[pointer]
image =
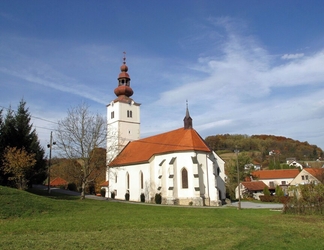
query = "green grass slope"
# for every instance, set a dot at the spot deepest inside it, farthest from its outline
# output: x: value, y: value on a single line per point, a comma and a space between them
x: 29, y: 221
x: 19, y: 203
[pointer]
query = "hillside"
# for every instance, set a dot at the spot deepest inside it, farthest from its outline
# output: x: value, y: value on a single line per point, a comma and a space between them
x: 22, y: 204
x: 260, y: 146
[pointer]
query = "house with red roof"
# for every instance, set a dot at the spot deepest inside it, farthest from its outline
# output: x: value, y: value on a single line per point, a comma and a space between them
x: 176, y: 164
x: 59, y: 182
x: 309, y: 175
x: 254, y: 186
x: 273, y: 178
x: 251, y: 189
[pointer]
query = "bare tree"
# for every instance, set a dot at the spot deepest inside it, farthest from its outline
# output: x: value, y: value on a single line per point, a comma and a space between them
x: 115, y: 143
x: 78, y: 137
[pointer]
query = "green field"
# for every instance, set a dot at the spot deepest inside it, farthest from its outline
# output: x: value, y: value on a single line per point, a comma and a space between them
x: 30, y: 221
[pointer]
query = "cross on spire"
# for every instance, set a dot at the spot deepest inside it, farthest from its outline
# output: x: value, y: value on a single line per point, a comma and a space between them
x: 124, y: 58
x: 187, y: 120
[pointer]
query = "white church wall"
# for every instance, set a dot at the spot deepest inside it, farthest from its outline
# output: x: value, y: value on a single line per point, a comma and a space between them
x: 163, y: 175
x: 121, y: 184
x: 219, y: 170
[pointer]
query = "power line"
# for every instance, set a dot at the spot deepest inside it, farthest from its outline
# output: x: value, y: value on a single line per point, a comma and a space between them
x: 35, y: 117
x: 56, y: 130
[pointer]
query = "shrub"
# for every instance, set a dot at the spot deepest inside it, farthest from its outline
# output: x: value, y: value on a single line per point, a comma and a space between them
x: 142, y: 197
x: 266, y: 191
x: 283, y: 199
x: 306, y: 199
x: 127, y: 196
x: 112, y: 195
x: 72, y: 187
x: 103, y: 192
x: 267, y: 198
x: 158, y: 198
x: 279, y: 191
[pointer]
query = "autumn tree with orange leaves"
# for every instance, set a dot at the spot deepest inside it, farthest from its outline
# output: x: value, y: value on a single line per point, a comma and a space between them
x: 16, y: 163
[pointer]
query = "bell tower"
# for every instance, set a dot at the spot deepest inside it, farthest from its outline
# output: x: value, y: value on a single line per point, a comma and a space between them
x: 123, y: 115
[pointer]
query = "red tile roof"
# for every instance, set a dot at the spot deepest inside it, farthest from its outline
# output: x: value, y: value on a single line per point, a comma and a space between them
x: 316, y: 172
x: 173, y: 141
x: 254, y: 185
x: 58, y: 182
x: 104, y: 184
x: 275, y: 174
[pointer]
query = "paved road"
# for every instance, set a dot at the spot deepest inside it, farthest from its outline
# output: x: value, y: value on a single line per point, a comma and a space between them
x: 68, y: 192
x: 254, y: 205
x: 244, y: 204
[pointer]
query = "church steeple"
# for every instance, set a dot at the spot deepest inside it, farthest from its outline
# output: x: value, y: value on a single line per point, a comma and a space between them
x: 123, y: 91
x: 123, y: 115
x: 187, y: 120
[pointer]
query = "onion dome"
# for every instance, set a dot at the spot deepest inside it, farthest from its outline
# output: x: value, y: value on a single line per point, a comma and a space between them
x: 123, y: 89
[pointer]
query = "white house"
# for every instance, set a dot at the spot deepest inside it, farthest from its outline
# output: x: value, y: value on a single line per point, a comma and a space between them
x: 277, y: 177
x: 176, y: 164
x: 309, y: 175
x: 295, y: 164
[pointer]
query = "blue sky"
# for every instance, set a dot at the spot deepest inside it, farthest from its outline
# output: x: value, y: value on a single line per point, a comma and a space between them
x: 245, y: 67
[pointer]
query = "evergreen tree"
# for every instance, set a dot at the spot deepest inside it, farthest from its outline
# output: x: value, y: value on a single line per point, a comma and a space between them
x: 1, y: 149
x: 279, y: 191
x: 6, y: 139
x: 266, y: 191
x: 17, y: 131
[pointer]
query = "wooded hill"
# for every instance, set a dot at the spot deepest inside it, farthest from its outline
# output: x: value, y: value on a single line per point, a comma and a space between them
x: 261, y: 145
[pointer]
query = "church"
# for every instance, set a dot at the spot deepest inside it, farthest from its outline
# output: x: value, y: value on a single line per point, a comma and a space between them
x: 176, y: 165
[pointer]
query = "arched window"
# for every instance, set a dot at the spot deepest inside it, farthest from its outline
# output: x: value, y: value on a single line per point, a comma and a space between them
x: 184, y: 178
x: 142, y: 180
x: 116, y: 178
x: 127, y: 180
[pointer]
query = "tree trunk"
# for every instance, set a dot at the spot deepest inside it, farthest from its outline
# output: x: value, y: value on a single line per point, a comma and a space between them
x: 83, y: 190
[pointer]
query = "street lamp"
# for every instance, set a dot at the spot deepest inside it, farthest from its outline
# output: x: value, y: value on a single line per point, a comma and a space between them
x: 238, y: 178
x: 49, y: 163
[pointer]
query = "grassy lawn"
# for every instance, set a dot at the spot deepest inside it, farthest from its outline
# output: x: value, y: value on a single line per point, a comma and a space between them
x: 33, y: 221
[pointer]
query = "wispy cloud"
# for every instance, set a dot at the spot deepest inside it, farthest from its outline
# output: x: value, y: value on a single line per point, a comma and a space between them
x: 245, y: 90
x: 292, y: 56
x: 44, y: 70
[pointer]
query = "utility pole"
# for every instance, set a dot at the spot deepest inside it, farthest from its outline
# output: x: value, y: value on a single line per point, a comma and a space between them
x: 49, y: 163
x: 238, y: 179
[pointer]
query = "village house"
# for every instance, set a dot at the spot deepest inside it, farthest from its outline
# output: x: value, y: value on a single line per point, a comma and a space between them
x: 252, y: 189
x: 277, y: 177
x: 309, y: 175
x: 59, y: 182
x: 273, y: 178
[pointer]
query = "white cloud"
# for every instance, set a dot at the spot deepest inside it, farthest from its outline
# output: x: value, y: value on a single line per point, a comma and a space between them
x: 238, y: 88
x: 243, y: 86
x: 292, y: 56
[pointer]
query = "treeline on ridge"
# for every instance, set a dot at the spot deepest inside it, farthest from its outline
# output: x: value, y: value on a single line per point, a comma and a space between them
x: 281, y: 146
